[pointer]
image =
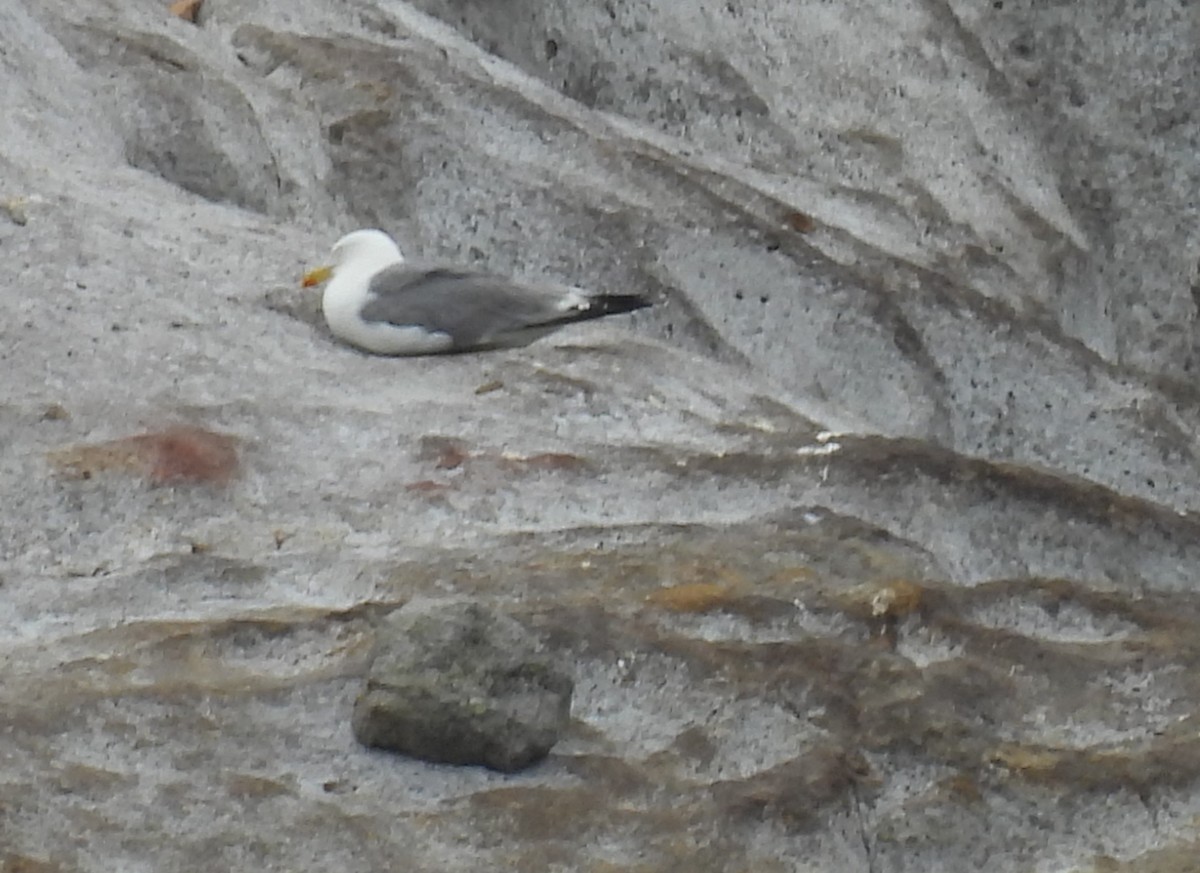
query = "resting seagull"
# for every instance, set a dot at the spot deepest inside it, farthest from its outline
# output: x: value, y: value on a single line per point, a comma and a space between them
x: 379, y: 303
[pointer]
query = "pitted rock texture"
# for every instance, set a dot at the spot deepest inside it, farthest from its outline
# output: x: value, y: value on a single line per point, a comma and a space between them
x: 873, y: 546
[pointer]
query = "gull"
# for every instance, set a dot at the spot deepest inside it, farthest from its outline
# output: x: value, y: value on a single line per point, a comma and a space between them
x: 376, y: 301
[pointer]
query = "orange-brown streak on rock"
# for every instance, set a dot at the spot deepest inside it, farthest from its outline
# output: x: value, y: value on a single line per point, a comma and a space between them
x: 1170, y: 760
x: 81, y: 681
x: 693, y: 597
x: 178, y: 454
x: 427, y: 486
x: 1179, y: 858
x: 881, y: 607
x: 489, y: 386
x: 188, y: 10
x: 789, y: 577
x: 1174, y: 614
x: 27, y: 864
x: 550, y: 461
x: 85, y: 461
x: 247, y: 786
x: 962, y: 787
x: 181, y: 658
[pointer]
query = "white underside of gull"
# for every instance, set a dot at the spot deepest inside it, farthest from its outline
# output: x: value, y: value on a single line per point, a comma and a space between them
x: 342, y: 303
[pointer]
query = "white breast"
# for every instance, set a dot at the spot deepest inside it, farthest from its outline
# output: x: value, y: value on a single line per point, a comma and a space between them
x: 344, y: 298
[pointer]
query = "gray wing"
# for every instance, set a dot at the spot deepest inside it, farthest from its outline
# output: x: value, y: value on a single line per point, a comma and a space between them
x: 473, y: 308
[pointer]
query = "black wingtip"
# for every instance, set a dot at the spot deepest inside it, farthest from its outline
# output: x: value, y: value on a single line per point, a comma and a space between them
x: 615, y: 304
x: 599, y: 306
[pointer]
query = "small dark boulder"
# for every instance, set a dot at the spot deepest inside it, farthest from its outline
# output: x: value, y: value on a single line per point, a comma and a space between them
x: 457, y: 683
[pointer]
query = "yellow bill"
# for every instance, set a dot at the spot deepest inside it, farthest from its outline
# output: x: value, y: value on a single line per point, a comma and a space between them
x: 316, y: 276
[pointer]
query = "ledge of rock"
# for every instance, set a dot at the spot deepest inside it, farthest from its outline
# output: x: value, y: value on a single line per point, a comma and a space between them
x: 871, y: 547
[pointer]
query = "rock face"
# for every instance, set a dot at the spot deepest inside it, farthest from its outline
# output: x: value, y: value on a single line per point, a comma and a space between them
x: 460, y: 684
x: 873, y: 546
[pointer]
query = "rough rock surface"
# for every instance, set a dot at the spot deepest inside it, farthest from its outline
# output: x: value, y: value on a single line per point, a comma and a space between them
x: 461, y: 684
x: 874, y: 546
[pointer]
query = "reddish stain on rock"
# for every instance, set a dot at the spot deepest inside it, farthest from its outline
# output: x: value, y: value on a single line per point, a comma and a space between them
x: 426, y: 486
x: 189, y: 454
x: 175, y: 455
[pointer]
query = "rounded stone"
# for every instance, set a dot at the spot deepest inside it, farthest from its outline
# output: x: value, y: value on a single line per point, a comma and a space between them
x: 458, y: 683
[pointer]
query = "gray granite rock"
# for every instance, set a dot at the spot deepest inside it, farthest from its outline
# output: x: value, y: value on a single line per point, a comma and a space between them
x: 461, y: 684
x: 872, y: 547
